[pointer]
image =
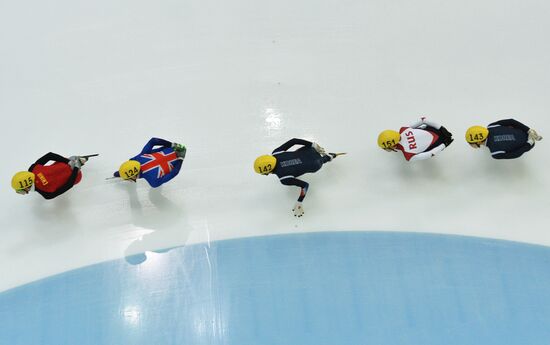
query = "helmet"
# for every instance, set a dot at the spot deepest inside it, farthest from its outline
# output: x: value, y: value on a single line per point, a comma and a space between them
x: 388, y: 139
x: 129, y: 169
x: 265, y: 164
x: 476, y: 134
x: 22, y: 180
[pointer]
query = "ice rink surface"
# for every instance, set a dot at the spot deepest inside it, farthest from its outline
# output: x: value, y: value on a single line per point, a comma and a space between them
x: 233, y: 80
x: 306, y: 288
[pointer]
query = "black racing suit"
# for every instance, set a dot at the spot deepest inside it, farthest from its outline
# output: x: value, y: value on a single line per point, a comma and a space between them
x: 508, y: 139
x: 291, y: 164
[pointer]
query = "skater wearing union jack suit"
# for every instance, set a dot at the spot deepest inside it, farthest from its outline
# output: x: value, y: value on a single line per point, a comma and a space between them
x: 158, y: 162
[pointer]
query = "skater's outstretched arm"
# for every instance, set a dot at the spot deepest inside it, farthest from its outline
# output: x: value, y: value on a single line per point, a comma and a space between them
x: 148, y: 148
x: 50, y: 156
x: 510, y: 123
x: 291, y: 143
x: 428, y: 154
x: 512, y: 154
x: 423, y: 122
x: 292, y: 181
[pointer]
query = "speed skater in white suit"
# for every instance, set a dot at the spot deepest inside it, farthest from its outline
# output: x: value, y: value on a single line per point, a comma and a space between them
x: 421, y: 140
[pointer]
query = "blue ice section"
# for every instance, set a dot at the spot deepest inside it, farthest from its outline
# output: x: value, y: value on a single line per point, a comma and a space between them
x: 321, y: 288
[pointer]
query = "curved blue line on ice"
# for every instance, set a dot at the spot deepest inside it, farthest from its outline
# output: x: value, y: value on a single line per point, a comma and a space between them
x: 317, y: 288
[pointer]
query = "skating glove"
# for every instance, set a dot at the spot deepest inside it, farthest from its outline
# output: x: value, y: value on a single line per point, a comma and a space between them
x: 445, y: 132
x: 446, y: 136
x: 77, y: 161
x: 533, y: 136
x: 180, y: 150
x: 298, y: 209
x: 318, y: 148
x: 447, y: 141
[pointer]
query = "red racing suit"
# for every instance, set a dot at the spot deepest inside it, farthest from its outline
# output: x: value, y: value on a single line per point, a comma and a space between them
x: 54, y: 179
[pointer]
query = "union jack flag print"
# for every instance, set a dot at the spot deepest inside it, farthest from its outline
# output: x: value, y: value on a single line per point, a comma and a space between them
x: 158, y: 160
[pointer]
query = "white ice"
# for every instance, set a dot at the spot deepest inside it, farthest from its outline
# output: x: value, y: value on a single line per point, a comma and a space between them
x: 233, y: 80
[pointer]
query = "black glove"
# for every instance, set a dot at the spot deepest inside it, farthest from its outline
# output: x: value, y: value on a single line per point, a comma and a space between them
x: 447, y: 141
x: 444, y: 132
x: 446, y: 136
